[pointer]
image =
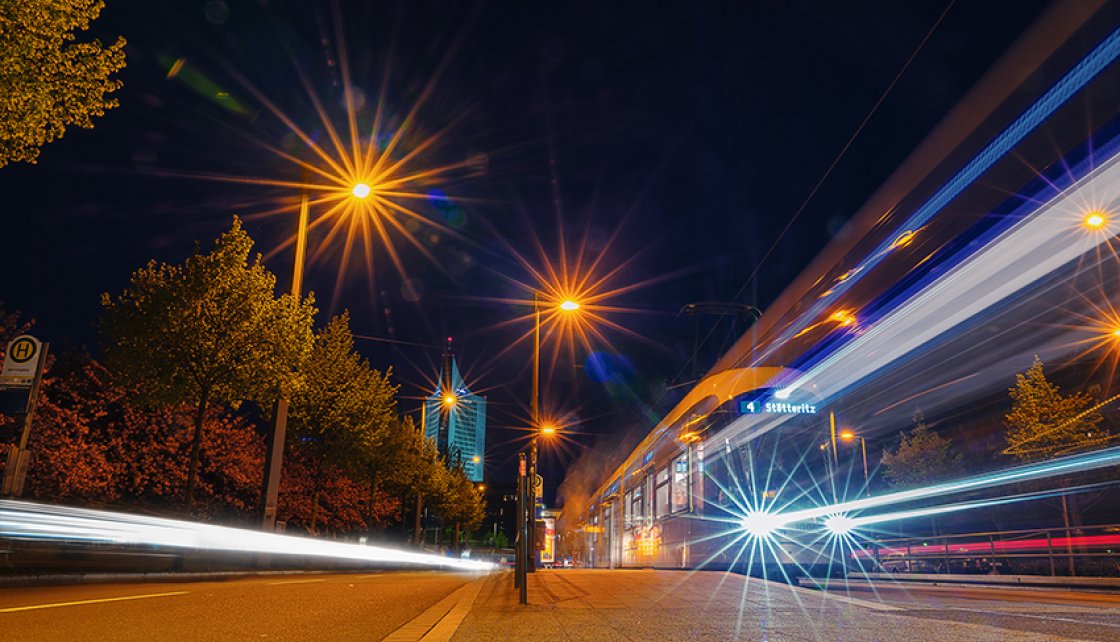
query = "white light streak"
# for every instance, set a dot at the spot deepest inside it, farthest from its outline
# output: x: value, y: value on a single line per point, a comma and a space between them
x: 1038, y: 245
x: 26, y: 520
x: 1031, y: 472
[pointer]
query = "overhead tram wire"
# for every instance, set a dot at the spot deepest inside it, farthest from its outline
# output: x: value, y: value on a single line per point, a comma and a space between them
x: 831, y: 167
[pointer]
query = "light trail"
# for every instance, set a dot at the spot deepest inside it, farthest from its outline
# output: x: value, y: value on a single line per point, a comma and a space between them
x: 1029, y: 472
x: 1022, y: 255
x: 27, y: 520
x: 1074, y: 81
x: 843, y: 523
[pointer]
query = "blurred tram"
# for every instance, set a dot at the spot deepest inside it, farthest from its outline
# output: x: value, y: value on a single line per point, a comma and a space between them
x: 928, y: 285
x: 731, y: 450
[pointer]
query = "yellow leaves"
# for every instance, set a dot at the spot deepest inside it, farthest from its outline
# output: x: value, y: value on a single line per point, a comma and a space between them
x: 1043, y: 423
x: 49, y: 81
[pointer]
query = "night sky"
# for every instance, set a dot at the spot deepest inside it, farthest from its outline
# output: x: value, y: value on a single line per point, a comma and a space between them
x: 675, y: 139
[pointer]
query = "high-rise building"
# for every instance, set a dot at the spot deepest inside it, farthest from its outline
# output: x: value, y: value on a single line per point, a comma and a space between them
x: 455, y: 419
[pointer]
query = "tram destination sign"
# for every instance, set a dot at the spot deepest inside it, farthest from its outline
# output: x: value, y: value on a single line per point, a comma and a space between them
x: 769, y: 406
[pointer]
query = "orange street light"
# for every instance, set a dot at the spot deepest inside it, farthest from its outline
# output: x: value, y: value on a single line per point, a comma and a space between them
x: 569, y: 305
x: 361, y: 190
x: 449, y: 400
x: 1094, y: 220
x: 548, y: 430
x: 847, y: 435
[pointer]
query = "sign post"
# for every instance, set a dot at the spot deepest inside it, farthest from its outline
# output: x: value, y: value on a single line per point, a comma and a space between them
x: 23, y: 369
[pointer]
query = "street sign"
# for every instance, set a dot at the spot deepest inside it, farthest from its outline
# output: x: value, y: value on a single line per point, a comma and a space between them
x: 21, y: 361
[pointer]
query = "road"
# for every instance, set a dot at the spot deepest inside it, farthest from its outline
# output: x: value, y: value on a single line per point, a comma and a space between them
x: 568, y: 605
x: 270, y: 608
x: 1075, y: 614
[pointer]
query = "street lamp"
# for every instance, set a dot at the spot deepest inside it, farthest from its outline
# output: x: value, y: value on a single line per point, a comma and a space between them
x: 274, y: 446
x: 565, y: 306
x: 1094, y: 220
x: 848, y: 435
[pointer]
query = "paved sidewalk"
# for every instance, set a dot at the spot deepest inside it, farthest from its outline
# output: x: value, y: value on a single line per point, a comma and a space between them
x: 604, y: 605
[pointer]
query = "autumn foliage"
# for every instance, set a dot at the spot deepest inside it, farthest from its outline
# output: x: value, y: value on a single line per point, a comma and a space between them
x: 174, y: 422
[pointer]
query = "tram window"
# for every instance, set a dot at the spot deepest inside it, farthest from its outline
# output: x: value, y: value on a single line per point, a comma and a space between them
x: 661, y: 495
x: 636, y: 511
x: 680, y: 487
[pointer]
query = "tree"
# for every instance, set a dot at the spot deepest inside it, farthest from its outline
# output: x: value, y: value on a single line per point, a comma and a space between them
x: 342, y: 409
x: 461, y: 503
x: 410, y: 467
x: 1043, y: 423
x: 48, y: 80
x: 922, y: 457
x: 209, y: 330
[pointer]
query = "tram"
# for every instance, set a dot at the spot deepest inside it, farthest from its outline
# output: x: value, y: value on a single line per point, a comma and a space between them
x: 687, y: 495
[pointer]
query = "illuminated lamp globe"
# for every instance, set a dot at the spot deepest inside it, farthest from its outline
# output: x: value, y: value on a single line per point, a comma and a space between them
x: 1094, y: 220
x: 449, y: 400
x: 361, y: 190
x: 847, y: 435
x: 548, y: 429
x: 569, y: 306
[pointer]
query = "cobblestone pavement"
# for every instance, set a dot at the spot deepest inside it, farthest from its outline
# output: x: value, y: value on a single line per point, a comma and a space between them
x: 605, y: 605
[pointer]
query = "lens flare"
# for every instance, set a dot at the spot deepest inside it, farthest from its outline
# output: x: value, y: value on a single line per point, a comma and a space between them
x: 839, y: 524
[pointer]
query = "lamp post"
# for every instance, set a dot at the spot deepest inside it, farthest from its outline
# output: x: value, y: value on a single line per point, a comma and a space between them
x: 565, y: 306
x: 274, y: 453
x: 848, y: 435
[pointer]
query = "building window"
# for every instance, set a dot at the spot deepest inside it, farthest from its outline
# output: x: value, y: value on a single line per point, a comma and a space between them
x: 628, y: 509
x: 661, y: 494
x: 680, y: 486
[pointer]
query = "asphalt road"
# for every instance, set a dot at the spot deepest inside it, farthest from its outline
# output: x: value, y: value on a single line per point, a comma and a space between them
x: 274, y: 607
x: 1072, y: 613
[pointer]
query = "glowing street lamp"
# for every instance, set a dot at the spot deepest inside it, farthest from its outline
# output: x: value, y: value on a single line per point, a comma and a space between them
x: 449, y: 400
x: 1094, y: 220
x: 274, y: 455
x: 361, y: 190
x: 569, y: 306
x: 847, y: 435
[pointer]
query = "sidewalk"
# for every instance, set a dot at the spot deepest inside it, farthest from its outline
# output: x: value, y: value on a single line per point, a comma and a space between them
x: 646, y: 605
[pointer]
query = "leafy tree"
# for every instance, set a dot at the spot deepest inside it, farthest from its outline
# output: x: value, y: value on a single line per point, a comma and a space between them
x: 343, y: 408
x: 410, y: 467
x: 922, y: 457
x: 48, y: 80
x: 1043, y: 423
x: 208, y: 330
x: 461, y: 503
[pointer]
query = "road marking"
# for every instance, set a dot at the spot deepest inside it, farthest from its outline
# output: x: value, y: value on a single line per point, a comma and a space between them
x: 296, y: 582
x: 854, y: 601
x: 440, y: 621
x: 55, y: 605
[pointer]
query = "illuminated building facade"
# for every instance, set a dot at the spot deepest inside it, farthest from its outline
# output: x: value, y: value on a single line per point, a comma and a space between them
x: 455, y: 419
